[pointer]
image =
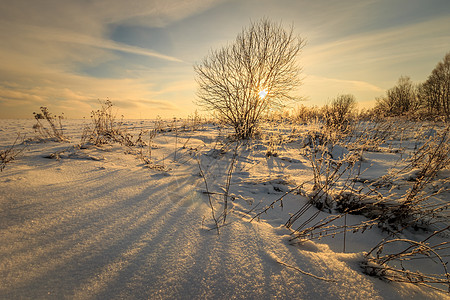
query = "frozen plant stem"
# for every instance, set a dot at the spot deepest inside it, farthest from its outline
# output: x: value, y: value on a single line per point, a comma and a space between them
x: 345, y: 230
x: 176, y: 139
x: 202, y: 174
x: 228, y: 182
x: 379, y: 265
x: 305, y: 273
x: 10, y: 153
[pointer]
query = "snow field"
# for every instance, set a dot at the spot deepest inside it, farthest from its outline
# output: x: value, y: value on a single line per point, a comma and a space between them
x: 100, y: 224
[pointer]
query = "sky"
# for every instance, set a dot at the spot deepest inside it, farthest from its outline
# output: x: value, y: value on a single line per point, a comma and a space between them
x: 67, y: 55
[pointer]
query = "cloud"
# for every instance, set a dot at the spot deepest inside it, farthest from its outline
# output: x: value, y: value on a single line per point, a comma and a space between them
x: 356, y: 85
x: 92, y: 16
x: 70, y: 37
x: 156, y: 13
x: 77, y: 96
x: 320, y: 90
x: 12, y: 98
x: 45, y: 45
x: 63, y: 33
x: 404, y: 45
x: 51, y: 49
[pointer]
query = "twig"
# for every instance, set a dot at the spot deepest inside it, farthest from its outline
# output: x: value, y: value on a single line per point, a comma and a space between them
x: 305, y: 273
x: 202, y: 174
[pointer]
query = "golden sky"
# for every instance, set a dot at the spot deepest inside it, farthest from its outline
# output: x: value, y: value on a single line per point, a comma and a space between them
x: 67, y: 54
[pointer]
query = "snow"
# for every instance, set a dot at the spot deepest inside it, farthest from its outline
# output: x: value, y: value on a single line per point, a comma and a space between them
x: 98, y: 223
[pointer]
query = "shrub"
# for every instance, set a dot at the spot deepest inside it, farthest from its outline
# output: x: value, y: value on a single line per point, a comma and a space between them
x: 399, y: 100
x: 340, y: 113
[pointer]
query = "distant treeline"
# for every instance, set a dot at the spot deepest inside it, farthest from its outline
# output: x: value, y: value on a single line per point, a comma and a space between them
x: 426, y: 100
x: 429, y: 100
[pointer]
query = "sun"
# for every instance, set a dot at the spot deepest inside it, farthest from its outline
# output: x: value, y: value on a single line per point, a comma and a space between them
x: 263, y: 94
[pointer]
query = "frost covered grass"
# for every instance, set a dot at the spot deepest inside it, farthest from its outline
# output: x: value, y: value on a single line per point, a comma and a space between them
x: 173, y: 212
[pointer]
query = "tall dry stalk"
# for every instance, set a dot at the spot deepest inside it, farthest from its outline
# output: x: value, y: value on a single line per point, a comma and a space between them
x: 55, y: 131
x: 11, y: 153
x: 384, y: 263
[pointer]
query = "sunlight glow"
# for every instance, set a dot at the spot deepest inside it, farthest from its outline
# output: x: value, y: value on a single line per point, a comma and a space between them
x: 262, y: 94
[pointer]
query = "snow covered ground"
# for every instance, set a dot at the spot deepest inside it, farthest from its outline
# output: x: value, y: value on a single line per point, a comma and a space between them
x: 99, y: 223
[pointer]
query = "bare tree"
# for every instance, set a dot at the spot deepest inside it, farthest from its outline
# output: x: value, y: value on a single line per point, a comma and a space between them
x: 436, y: 90
x: 255, y: 73
x: 399, y: 100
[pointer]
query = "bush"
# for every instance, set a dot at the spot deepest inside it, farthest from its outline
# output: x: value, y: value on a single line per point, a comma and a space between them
x: 340, y: 113
x: 400, y: 100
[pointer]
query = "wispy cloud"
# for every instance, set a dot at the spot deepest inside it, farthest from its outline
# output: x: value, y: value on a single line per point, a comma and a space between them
x: 77, y: 95
x: 93, y: 16
x: 357, y: 85
x: 319, y: 90
x: 411, y: 44
x: 44, y: 44
x: 71, y: 37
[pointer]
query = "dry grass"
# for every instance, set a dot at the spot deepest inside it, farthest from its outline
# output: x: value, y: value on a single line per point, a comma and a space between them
x: 398, y: 201
x: 388, y: 265
x: 53, y: 130
x: 11, y: 153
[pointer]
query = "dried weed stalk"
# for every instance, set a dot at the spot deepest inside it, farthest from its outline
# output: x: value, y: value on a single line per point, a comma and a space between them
x: 338, y: 189
x: 10, y: 153
x: 384, y: 262
x: 106, y: 129
x: 53, y: 131
x: 220, y: 215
